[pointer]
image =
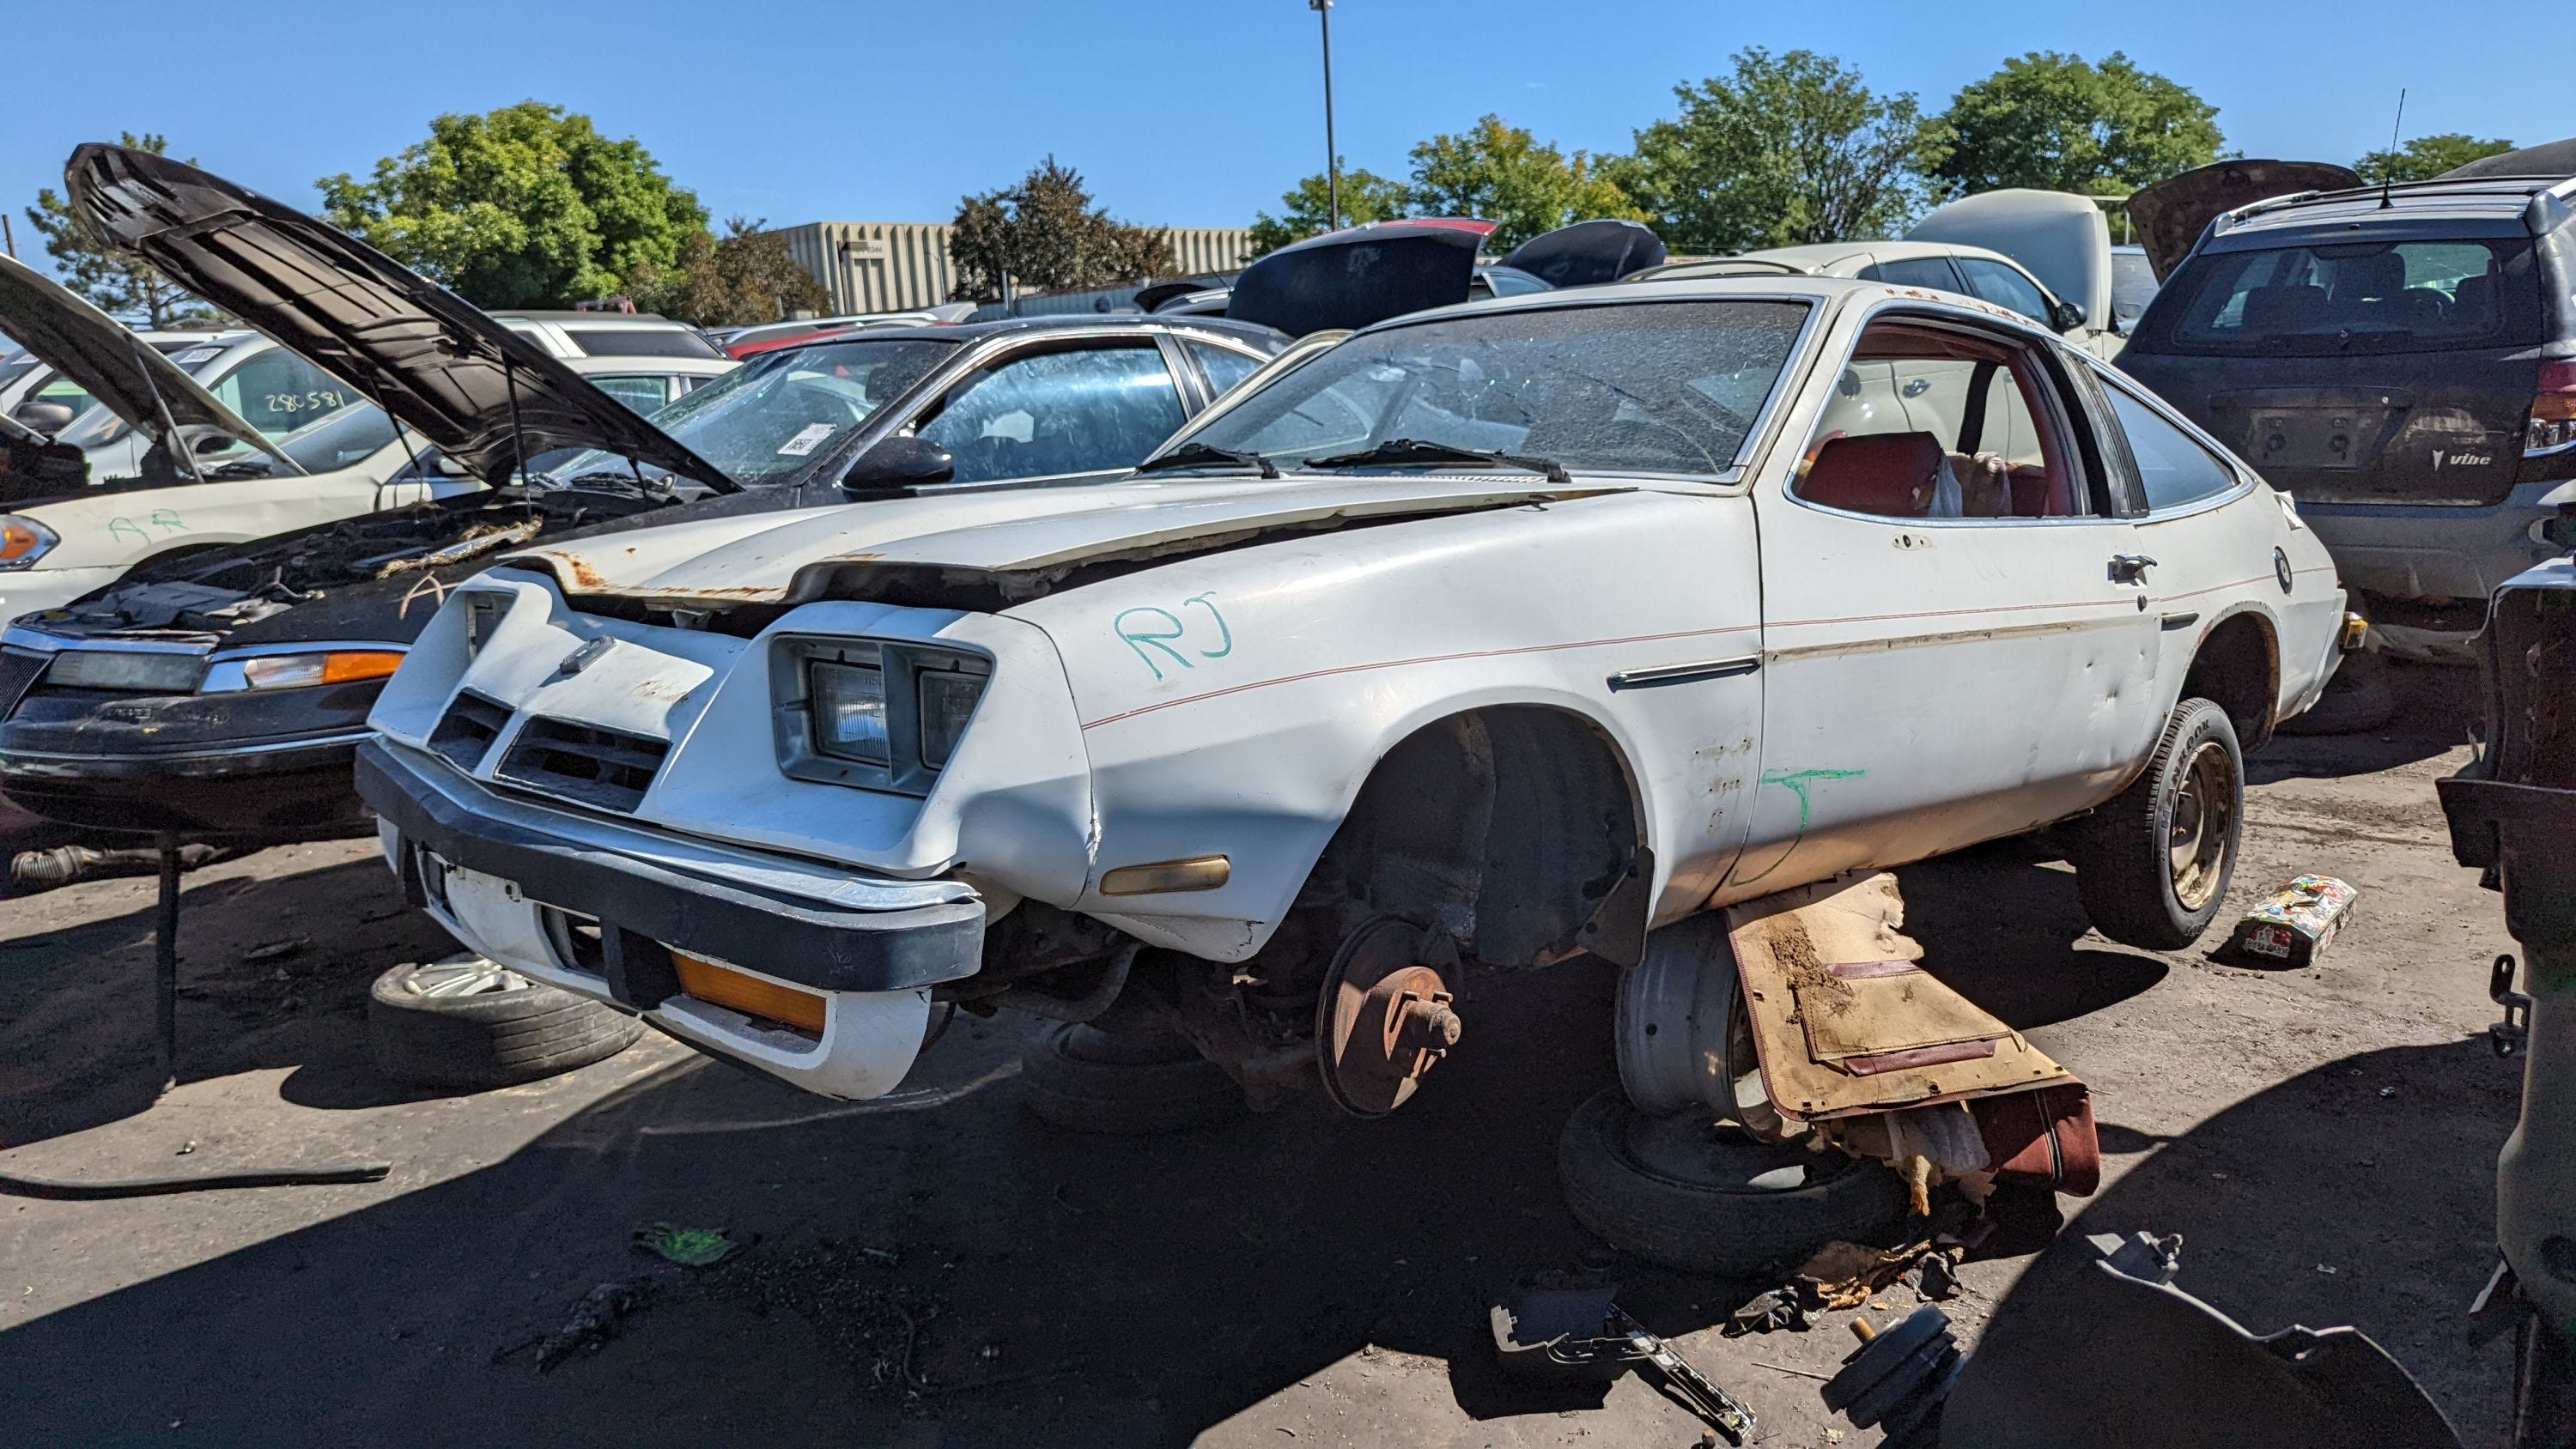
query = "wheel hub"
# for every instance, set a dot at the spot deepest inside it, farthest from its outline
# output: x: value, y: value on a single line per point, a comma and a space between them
x: 1383, y: 1020
x: 463, y: 976
x: 2202, y: 822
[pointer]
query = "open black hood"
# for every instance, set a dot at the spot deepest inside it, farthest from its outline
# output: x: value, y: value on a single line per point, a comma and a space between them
x: 1357, y: 276
x: 484, y: 395
x: 104, y: 357
x: 1588, y: 253
x: 2171, y: 214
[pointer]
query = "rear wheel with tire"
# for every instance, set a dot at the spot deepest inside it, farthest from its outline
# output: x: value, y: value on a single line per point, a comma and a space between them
x: 2152, y: 866
x: 467, y: 1022
x: 1127, y: 1084
x: 1681, y: 1192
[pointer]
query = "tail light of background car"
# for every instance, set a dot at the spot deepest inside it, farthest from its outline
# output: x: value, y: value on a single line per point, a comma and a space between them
x: 2553, y: 412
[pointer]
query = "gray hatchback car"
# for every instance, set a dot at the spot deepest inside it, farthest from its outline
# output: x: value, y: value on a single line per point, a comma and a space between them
x: 2403, y: 362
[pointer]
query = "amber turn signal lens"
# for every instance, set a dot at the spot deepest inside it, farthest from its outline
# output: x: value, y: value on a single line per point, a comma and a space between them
x: 749, y: 994
x: 289, y: 671
x: 1199, y: 873
x: 21, y: 539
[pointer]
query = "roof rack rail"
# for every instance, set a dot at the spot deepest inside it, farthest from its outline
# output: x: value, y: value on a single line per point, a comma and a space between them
x: 2550, y: 207
x: 2228, y: 219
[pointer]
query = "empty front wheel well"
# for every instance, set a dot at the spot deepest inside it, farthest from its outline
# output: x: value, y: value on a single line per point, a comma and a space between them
x: 2238, y: 668
x: 1515, y: 829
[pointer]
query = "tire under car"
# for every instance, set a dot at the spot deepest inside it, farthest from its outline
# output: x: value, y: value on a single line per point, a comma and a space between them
x: 2123, y: 852
x: 465, y: 1023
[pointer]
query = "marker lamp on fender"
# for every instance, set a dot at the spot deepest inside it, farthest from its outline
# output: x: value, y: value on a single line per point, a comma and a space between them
x: 23, y: 541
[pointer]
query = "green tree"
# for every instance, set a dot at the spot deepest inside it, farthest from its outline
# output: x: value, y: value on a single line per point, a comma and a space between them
x: 747, y: 278
x: 2426, y: 157
x: 1787, y: 150
x: 1044, y: 234
x: 1306, y: 208
x: 116, y: 284
x: 2058, y: 123
x: 1504, y: 175
x: 524, y: 206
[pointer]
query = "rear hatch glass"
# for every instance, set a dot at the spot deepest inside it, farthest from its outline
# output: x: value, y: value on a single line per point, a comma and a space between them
x: 2357, y: 371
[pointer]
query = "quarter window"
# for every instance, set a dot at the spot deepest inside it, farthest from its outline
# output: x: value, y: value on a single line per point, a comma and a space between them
x: 2172, y: 465
x: 2005, y: 287
x: 1223, y: 365
x: 1084, y: 411
x: 641, y: 392
x: 1913, y: 272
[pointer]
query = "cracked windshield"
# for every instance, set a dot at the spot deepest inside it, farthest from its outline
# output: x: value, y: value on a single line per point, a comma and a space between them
x: 1667, y: 388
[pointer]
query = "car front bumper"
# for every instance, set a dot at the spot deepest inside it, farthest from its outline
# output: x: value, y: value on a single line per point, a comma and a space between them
x: 277, y: 789
x: 514, y: 880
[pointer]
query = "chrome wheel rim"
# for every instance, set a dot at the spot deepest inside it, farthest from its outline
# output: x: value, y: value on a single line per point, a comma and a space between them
x: 2203, y: 823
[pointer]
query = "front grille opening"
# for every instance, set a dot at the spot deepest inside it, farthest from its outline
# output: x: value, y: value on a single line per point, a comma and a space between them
x: 576, y: 939
x: 583, y: 763
x: 466, y: 732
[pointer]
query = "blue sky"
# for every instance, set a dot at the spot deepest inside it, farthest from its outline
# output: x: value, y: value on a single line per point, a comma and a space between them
x: 1179, y: 114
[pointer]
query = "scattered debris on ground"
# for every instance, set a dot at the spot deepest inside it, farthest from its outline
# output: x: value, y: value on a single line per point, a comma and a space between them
x: 2291, y: 927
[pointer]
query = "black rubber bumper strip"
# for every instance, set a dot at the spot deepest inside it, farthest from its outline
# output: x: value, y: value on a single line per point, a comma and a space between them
x: 804, y: 942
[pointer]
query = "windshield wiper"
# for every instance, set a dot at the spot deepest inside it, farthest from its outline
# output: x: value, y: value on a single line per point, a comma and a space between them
x: 1412, y: 452
x: 1201, y: 455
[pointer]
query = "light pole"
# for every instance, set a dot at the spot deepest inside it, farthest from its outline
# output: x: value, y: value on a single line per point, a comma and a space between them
x: 1332, y: 158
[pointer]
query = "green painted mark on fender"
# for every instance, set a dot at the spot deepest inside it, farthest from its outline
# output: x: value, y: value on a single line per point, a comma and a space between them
x: 124, y: 527
x: 1163, y: 629
x: 1797, y: 782
x: 168, y: 522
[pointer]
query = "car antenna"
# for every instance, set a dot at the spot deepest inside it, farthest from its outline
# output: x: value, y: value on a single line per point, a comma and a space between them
x: 2388, y: 172
x: 170, y: 438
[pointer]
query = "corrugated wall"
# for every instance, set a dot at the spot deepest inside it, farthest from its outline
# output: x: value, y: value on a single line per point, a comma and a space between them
x: 888, y: 266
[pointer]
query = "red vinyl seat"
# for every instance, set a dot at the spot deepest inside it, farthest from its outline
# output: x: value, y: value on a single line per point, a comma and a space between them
x: 1890, y: 474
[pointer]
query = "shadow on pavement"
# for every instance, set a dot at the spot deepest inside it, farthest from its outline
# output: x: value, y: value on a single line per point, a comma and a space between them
x: 1129, y: 1291
x: 2291, y: 1212
x: 77, y: 1038
x: 2436, y: 706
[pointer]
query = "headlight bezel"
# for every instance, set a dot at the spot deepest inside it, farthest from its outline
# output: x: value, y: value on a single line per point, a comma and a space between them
x: 40, y: 541
x: 804, y: 752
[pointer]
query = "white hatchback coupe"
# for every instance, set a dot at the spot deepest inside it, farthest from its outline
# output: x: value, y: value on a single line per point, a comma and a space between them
x: 1490, y: 635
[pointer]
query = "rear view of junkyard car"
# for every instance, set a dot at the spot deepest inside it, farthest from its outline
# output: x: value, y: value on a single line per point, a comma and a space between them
x: 1449, y: 653
x: 2402, y: 361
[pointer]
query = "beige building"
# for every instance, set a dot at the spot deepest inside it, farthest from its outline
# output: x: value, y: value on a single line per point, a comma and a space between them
x: 890, y: 266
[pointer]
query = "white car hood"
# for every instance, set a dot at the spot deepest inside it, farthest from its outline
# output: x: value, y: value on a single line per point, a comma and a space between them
x: 1031, y: 534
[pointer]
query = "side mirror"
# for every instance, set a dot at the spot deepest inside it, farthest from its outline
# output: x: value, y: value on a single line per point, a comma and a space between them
x: 898, y: 462
x: 47, y: 418
x: 2065, y: 316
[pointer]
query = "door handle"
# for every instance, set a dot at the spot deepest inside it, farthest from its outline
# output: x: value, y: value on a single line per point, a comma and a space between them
x: 2130, y: 568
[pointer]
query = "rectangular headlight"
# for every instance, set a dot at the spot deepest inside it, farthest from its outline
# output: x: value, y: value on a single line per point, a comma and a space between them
x: 153, y: 672
x: 848, y: 710
x: 947, y: 702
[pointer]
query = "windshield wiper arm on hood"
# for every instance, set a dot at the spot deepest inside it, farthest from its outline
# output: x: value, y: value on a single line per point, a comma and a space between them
x: 1412, y: 452
x: 1202, y: 455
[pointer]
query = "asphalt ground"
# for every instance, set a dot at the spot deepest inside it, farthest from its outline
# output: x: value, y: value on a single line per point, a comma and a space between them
x: 940, y: 1268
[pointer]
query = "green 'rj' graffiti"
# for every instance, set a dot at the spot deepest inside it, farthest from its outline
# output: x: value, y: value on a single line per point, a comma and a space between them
x: 1797, y: 782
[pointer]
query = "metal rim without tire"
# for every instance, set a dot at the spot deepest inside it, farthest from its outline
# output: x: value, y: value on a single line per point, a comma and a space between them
x: 2203, y: 825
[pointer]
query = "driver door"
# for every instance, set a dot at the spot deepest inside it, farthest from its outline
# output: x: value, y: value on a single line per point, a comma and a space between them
x: 1953, y: 649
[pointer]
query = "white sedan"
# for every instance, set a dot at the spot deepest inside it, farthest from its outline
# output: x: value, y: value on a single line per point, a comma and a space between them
x: 1534, y: 626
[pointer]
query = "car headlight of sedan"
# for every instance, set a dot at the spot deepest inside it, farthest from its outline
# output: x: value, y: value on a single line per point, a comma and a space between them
x: 878, y: 714
x: 300, y: 668
x: 142, y: 671
x: 23, y: 541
